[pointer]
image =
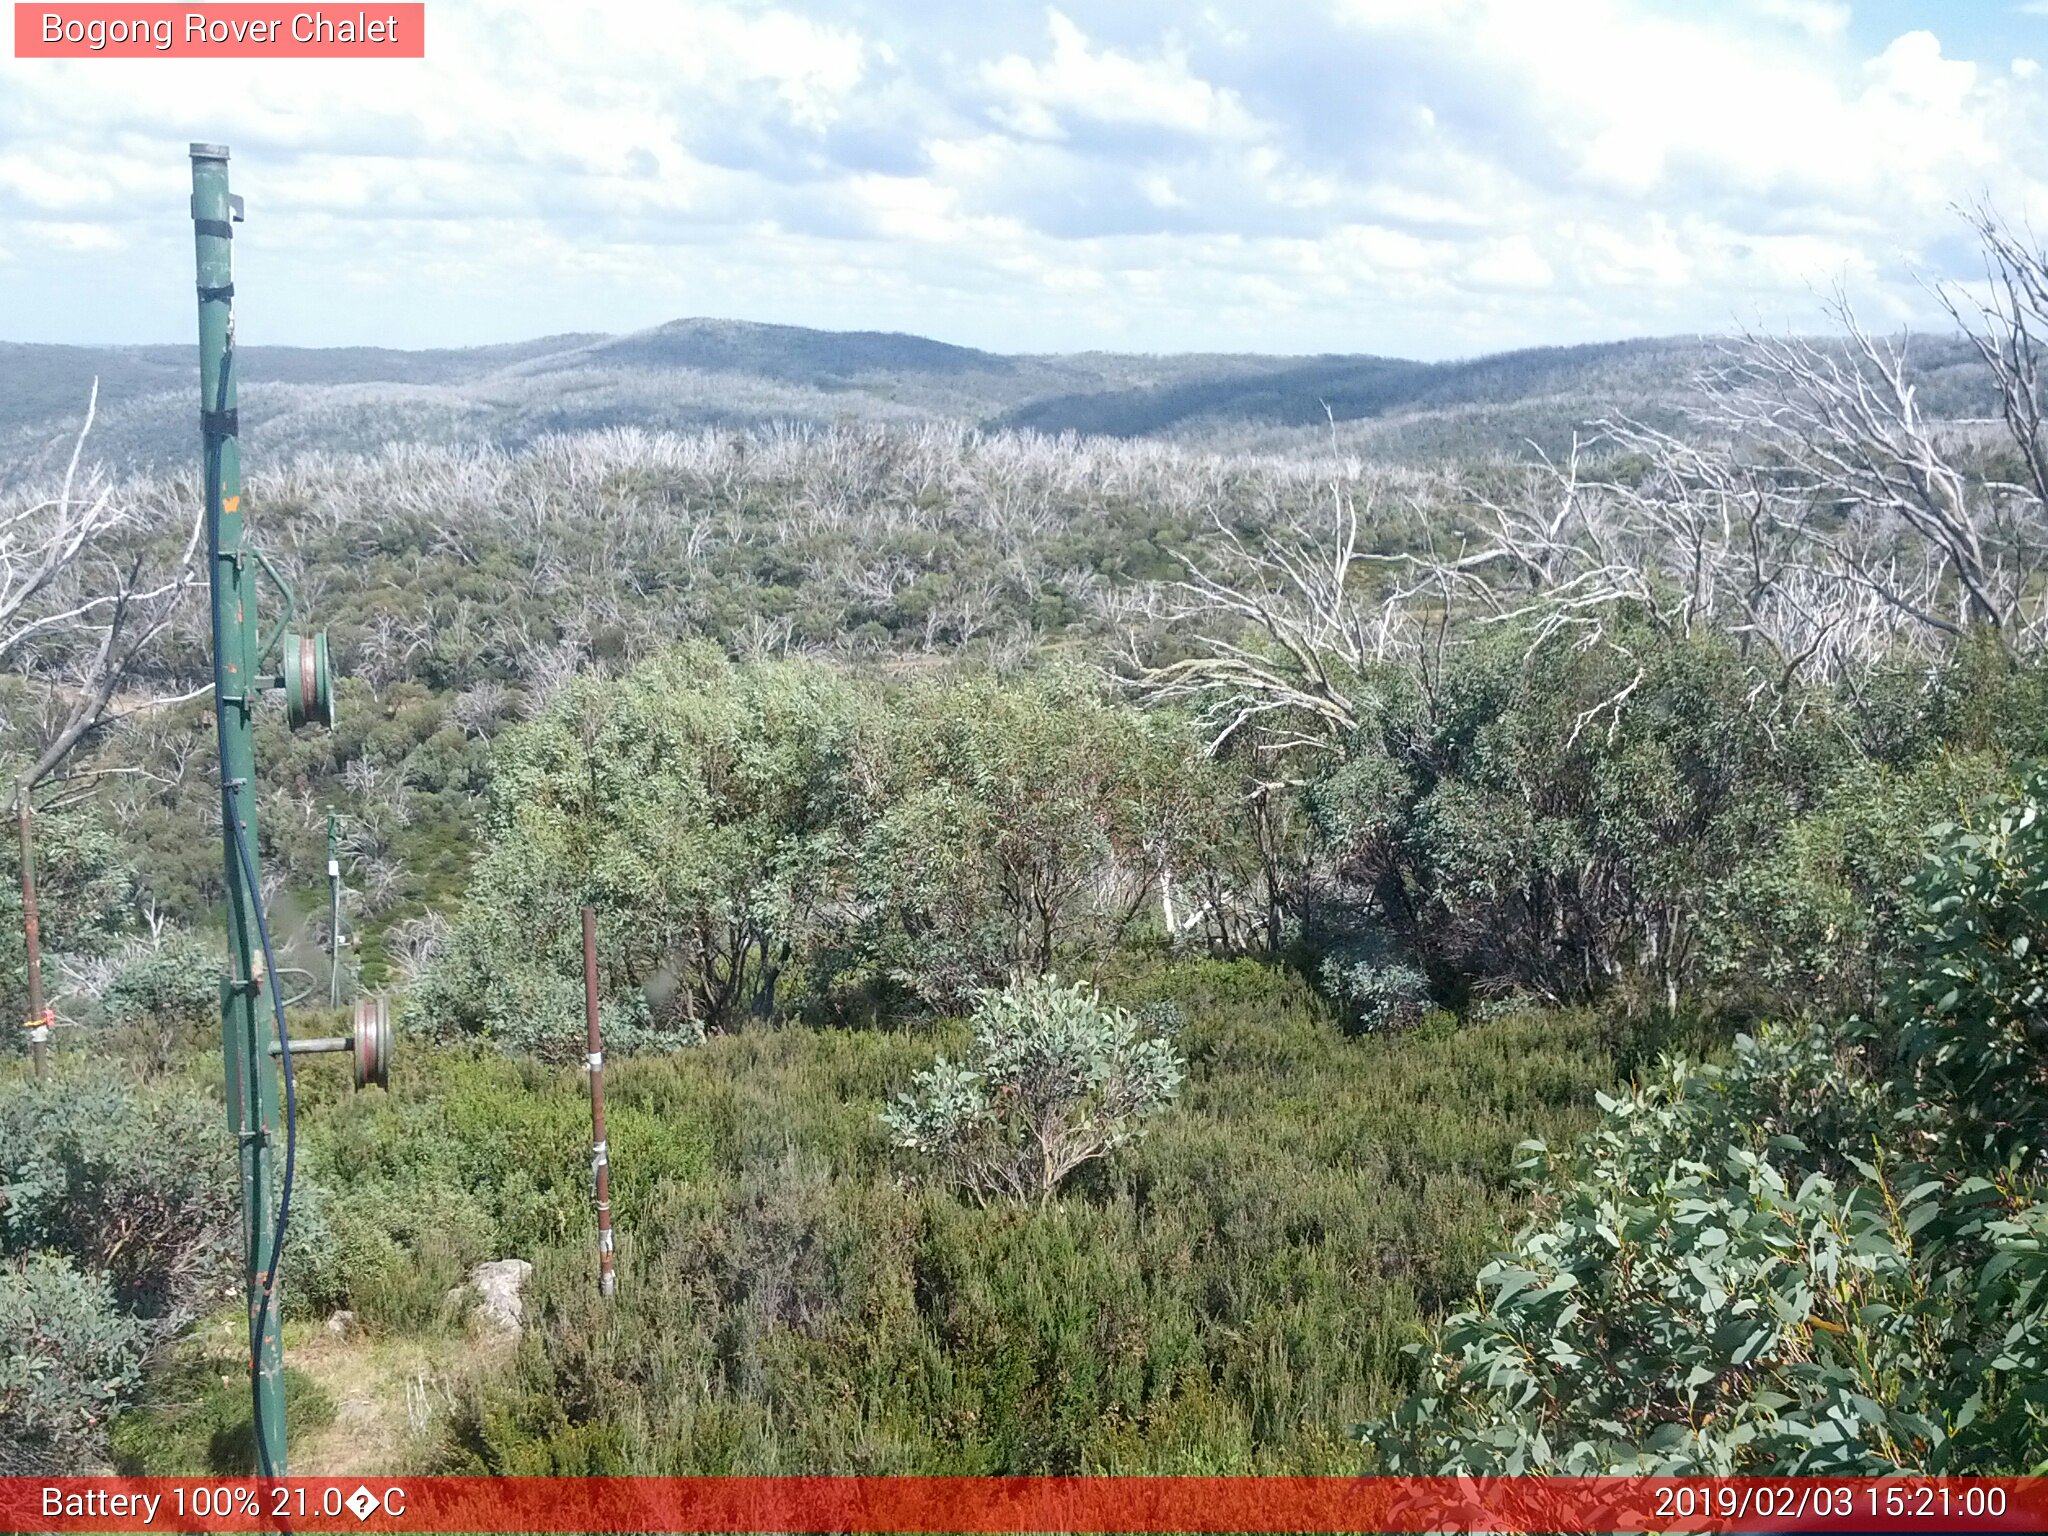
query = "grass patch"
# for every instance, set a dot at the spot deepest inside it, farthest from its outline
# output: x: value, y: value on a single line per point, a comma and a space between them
x: 195, y: 1418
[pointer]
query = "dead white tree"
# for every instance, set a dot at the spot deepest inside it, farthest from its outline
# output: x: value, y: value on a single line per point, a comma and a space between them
x: 1815, y: 512
x: 88, y: 587
x: 86, y: 591
x: 2007, y: 324
x: 1882, y: 482
x: 1688, y: 534
x: 1284, y: 631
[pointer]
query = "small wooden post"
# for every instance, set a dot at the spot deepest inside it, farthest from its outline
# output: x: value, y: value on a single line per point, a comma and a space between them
x: 334, y: 938
x: 600, y: 1157
x: 38, y: 1022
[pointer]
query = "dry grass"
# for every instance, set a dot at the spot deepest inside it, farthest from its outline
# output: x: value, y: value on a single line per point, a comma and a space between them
x: 390, y: 1397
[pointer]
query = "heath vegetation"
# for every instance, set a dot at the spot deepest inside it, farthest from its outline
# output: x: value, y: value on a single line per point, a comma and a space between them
x: 1212, y: 952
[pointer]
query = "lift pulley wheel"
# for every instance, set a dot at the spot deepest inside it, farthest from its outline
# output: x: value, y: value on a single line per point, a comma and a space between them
x: 308, y: 685
x: 373, y: 1041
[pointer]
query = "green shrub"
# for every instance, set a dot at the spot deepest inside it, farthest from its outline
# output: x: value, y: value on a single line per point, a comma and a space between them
x: 1055, y: 1078
x: 1377, y: 993
x: 1811, y: 920
x: 1550, y: 817
x: 1971, y: 992
x: 1229, y: 1293
x: 69, y: 1356
x: 1830, y: 1257
x: 176, y: 982
x: 387, y: 1250
x: 133, y: 1179
x: 1019, y: 823
x: 698, y: 807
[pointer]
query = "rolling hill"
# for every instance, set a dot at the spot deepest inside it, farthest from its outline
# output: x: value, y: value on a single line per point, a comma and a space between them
x: 697, y: 373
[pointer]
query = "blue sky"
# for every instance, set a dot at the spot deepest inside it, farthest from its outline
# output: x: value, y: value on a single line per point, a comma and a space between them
x: 1429, y: 178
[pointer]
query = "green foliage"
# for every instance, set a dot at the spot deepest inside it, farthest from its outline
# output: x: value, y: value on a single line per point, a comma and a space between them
x: 82, y: 886
x: 1808, y: 920
x: 1564, y: 821
x: 68, y: 1357
x: 1971, y: 992
x: 1019, y: 822
x: 1548, y: 816
x: 117, y: 1222
x: 696, y: 806
x: 1229, y: 1293
x: 387, y: 1250
x: 1824, y: 1258
x: 1378, y: 991
x: 172, y: 983
x: 1055, y: 1078
x: 772, y: 838
x: 132, y: 1179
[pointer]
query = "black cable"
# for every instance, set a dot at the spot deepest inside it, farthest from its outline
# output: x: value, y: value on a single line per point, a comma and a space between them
x: 230, y: 790
x: 291, y: 1138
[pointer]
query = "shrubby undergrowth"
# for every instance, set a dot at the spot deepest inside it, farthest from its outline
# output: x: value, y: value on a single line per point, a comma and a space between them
x: 71, y: 1357
x: 117, y: 1228
x: 824, y: 724
x: 1830, y: 1256
x: 1230, y: 1292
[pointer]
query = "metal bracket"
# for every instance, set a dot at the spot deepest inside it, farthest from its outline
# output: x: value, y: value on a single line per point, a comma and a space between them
x: 291, y: 603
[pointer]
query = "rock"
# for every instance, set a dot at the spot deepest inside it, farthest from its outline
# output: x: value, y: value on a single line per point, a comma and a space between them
x: 342, y: 1324
x: 497, y: 1285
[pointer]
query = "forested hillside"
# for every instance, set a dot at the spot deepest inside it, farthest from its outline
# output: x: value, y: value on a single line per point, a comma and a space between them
x: 708, y: 373
x: 1195, y: 947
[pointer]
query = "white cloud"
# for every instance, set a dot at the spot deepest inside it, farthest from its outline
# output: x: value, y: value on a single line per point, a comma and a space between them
x: 1424, y: 176
x: 1039, y: 96
x: 1513, y: 263
x: 1817, y: 18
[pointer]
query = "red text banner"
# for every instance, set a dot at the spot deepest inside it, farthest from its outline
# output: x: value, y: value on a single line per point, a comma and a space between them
x: 234, y: 31
x: 1019, y: 1504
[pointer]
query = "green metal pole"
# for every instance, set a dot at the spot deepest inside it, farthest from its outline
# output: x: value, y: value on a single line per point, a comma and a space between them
x: 333, y: 913
x: 252, y: 1085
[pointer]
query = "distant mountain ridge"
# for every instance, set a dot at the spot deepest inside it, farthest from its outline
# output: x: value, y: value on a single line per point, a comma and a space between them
x: 726, y: 373
x: 791, y: 353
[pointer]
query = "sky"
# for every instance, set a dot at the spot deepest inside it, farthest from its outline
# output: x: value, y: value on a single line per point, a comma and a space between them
x: 1424, y: 178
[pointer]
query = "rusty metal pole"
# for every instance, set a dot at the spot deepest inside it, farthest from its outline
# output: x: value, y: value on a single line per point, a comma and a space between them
x: 334, y: 938
x: 600, y: 1154
x: 32, y: 934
